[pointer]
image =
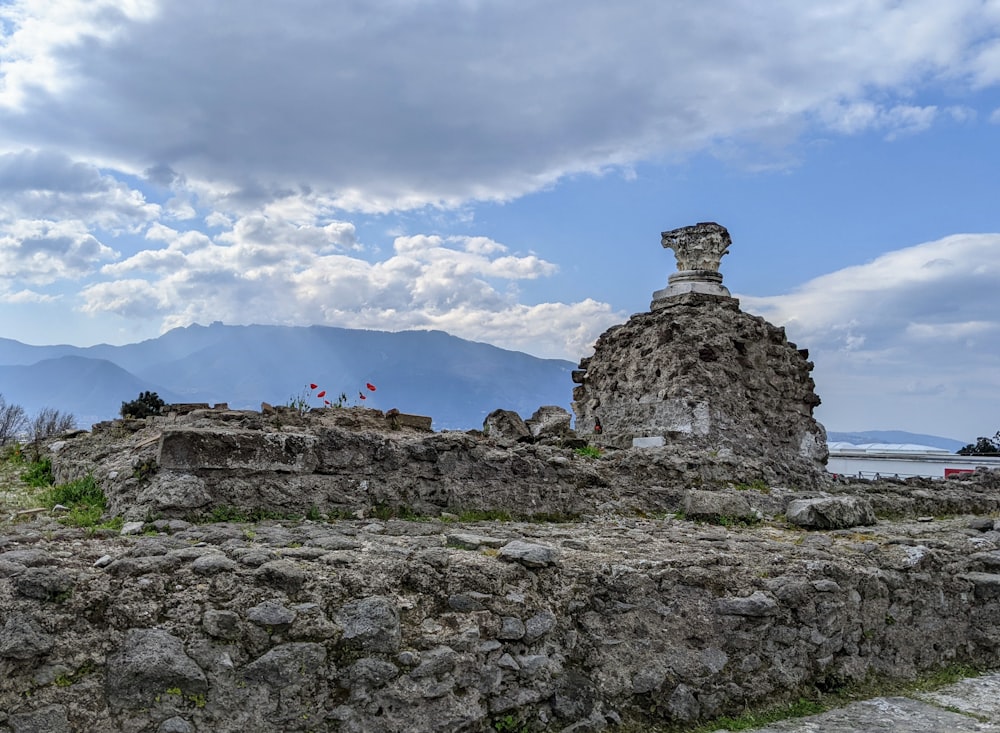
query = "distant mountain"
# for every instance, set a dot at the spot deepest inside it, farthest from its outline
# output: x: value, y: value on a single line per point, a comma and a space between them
x: 456, y: 382
x: 91, y: 389
x: 895, y: 436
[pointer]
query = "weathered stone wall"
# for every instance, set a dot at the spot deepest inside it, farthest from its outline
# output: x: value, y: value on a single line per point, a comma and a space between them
x: 345, y: 461
x: 435, y: 626
x: 388, y: 625
x: 698, y: 373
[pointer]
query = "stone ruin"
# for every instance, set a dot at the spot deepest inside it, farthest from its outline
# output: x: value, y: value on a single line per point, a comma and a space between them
x: 698, y: 373
x: 349, y: 570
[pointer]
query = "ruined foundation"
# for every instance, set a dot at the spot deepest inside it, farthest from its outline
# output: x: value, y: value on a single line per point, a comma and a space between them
x: 351, y: 571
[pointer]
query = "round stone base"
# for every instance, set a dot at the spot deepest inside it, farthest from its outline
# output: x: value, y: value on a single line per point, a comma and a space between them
x: 707, y: 282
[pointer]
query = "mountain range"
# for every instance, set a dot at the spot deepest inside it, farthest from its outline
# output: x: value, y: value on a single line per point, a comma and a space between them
x: 454, y: 381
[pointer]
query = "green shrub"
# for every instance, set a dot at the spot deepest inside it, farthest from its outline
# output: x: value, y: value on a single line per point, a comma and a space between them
x: 588, y: 451
x: 146, y: 404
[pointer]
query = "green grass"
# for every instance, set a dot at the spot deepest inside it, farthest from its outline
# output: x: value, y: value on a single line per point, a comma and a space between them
x: 225, y: 513
x: 755, y: 485
x: 588, y: 451
x: 484, y: 515
x: 38, y: 474
x: 509, y: 724
x: 83, y: 491
x: 756, y: 719
x: 86, y: 502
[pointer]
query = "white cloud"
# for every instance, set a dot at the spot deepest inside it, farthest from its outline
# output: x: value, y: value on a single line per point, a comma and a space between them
x: 49, y: 185
x: 132, y: 298
x: 42, y: 252
x: 397, y: 105
x: 256, y: 273
x: 903, y: 119
x: 912, y: 334
x: 26, y: 296
x: 38, y: 35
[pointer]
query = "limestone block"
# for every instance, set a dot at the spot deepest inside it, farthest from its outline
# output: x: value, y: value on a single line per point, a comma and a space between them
x: 148, y: 662
x: 649, y: 441
x: 713, y: 504
x: 505, y: 426
x: 194, y: 449
x: 529, y: 554
x: 834, y: 512
x: 549, y: 421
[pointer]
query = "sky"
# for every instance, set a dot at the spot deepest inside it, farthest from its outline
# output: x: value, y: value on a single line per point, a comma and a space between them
x: 502, y: 171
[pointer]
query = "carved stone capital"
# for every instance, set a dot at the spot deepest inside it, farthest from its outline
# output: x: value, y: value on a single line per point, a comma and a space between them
x: 698, y: 247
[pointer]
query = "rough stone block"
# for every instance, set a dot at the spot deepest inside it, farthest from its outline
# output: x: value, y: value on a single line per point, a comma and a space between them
x: 505, y: 426
x: 529, y: 554
x: 371, y: 624
x: 834, y: 512
x: 148, y: 662
x: 397, y: 419
x: 549, y: 421
x: 193, y: 449
x: 713, y: 504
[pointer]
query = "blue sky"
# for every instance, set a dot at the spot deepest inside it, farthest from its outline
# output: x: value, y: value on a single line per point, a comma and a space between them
x: 503, y: 171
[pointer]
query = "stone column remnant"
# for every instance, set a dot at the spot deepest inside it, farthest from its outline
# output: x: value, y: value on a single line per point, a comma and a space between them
x: 698, y: 374
x: 699, y: 249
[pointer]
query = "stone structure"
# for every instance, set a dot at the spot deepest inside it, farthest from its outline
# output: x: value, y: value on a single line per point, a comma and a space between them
x: 697, y: 372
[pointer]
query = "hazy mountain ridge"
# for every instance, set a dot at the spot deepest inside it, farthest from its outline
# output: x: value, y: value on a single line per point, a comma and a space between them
x: 456, y: 382
x: 895, y: 436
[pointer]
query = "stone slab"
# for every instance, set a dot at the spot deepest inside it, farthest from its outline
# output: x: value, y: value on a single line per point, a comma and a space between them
x: 977, y: 696
x: 649, y: 441
x: 418, y: 422
x: 969, y: 705
x: 888, y: 714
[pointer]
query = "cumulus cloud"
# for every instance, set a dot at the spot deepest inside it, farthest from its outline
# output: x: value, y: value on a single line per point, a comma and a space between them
x: 42, y: 252
x: 47, y: 184
x: 456, y: 284
x: 26, y: 296
x: 396, y: 105
x: 916, y: 329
